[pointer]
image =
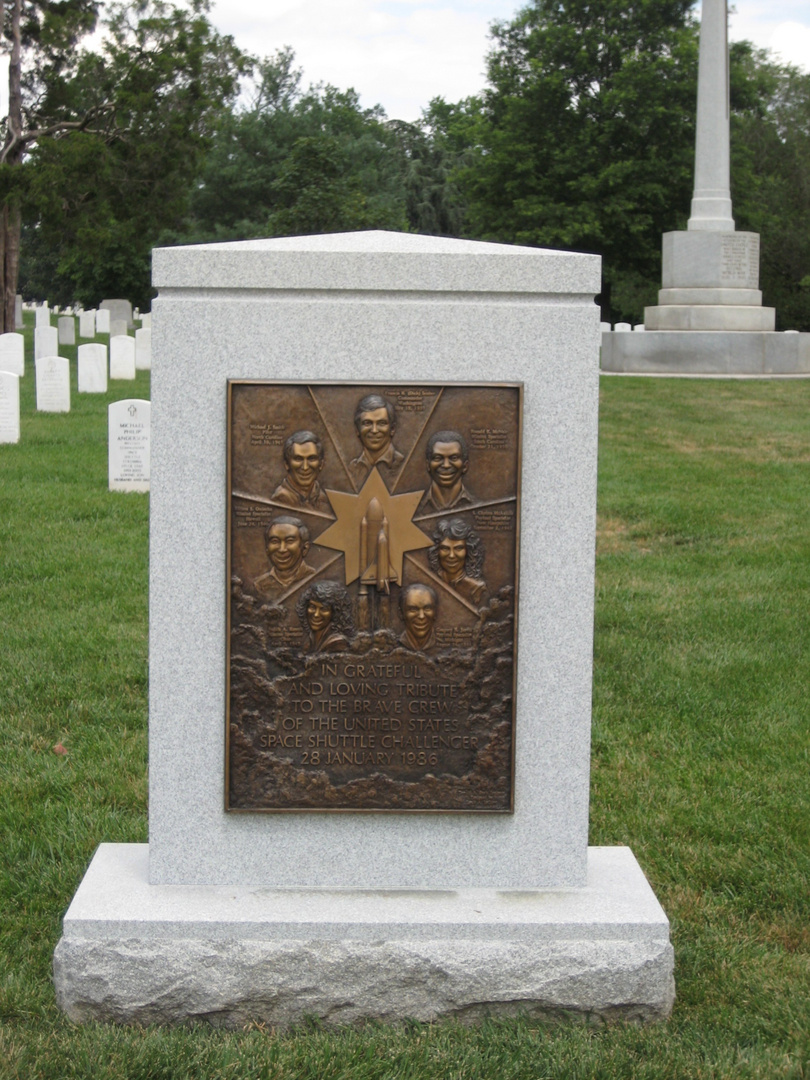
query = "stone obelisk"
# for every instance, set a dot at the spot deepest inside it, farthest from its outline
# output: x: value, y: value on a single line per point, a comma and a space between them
x: 709, y: 318
x: 711, y: 202
x: 711, y: 272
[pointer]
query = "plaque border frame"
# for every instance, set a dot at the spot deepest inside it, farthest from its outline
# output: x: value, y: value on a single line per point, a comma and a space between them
x: 517, y: 385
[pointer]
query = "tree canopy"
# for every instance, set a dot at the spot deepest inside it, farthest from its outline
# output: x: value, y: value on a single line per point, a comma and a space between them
x: 585, y: 134
x: 770, y: 146
x: 289, y: 160
x: 100, y: 190
x: 583, y: 139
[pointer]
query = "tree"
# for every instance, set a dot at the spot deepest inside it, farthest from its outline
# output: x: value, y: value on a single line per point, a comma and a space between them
x: 585, y: 138
x: 110, y: 142
x: 39, y: 107
x: 770, y: 172
x: 296, y: 161
x: 432, y: 153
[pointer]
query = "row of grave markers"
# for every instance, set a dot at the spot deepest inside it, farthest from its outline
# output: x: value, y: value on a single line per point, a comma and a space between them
x: 90, y: 324
x: 53, y: 375
x: 128, y: 432
x: 102, y: 320
x: 127, y: 355
x: 53, y: 372
x: 129, y: 420
x: 125, y: 352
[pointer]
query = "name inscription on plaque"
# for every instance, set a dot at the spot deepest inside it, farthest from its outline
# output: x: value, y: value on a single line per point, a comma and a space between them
x: 372, y: 565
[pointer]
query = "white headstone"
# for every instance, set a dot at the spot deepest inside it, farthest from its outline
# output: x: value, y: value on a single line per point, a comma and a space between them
x: 43, y: 316
x: 53, y: 384
x: 118, y: 327
x: 12, y: 353
x: 118, y: 309
x: 18, y: 312
x: 102, y: 321
x: 46, y: 341
x: 67, y: 330
x: 87, y: 324
x: 638, y: 328
x: 622, y: 327
x: 605, y: 327
x: 129, y: 444
x: 146, y: 320
x: 122, y: 357
x: 93, y: 368
x: 9, y: 407
x: 143, y: 349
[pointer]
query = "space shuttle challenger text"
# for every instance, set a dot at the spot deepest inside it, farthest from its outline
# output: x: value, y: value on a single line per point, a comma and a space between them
x: 343, y: 718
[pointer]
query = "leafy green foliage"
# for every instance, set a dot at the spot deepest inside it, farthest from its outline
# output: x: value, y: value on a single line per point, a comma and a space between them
x: 296, y: 162
x: 586, y: 133
x: 49, y: 35
x: 430, y: 159
x: 771, y: 176
x: 584, y: 140
x: 101, y: 195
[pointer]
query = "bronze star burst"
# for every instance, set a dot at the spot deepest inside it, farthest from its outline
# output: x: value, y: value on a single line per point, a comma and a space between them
x: 344, y: 534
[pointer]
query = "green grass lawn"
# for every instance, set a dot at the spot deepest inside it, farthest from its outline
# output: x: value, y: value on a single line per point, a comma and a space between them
x: 700, y: 745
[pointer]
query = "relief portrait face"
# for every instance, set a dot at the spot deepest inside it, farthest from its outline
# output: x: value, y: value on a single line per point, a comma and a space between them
x: 452, y: 556
x: 285, y: 548
x: 375, y: 430
x: 304, y: 464
x: 419, y: 612
x: 319, y: 615
x: 446, y: 464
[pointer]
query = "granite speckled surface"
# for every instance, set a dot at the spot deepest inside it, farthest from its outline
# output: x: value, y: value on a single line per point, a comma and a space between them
x: 273, y: 917
x: 230, y: 327
x: 139, y: 953
x: 376, y: 262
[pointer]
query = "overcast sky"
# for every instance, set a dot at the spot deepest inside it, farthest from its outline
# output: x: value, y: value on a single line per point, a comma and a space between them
x: 402, y: 53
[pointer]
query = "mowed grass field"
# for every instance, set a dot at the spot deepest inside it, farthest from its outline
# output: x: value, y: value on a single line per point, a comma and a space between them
x: 701, y: 756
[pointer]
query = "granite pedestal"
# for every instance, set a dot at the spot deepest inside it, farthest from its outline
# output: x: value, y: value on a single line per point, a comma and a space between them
x: 706, y: 353
x: 139, y: 953
x: 384, y: 915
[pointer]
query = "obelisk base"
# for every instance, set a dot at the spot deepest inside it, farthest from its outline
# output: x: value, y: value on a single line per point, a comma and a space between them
x: 709, y: 319
x: 706, y: 353
x: 734, y: 318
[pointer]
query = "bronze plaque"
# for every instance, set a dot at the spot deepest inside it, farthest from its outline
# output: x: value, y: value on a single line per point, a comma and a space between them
x: 372, y: 568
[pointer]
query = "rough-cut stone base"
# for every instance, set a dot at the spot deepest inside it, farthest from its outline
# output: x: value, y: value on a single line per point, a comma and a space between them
x: 139, y: 953
x: 706, y: 352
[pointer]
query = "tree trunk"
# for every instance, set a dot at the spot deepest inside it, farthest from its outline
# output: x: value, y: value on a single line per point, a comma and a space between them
x: 12, y: 155
x: 11, y: 263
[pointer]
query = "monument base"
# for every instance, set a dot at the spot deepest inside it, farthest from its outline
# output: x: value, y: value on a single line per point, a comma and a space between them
x: 706, y: 352
x: 753, y: 318
x: 136, y: 953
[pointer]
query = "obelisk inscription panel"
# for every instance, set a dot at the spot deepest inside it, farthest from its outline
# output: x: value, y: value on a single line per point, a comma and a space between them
x: 372, y: 568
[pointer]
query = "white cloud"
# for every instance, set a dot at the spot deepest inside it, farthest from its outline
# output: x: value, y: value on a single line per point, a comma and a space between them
x: 791, y: 41
x: 400, y: 54
x: 783, y: 26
